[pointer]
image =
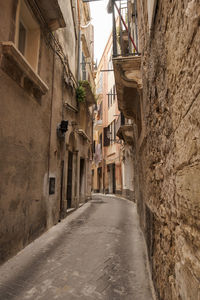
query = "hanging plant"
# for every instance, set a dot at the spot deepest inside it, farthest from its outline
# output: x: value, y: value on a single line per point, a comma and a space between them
x: 85, y: 90
x: 80, y: 94
x: 85, y: 84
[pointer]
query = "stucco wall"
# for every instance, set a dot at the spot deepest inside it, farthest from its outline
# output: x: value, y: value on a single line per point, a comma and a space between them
x: 69, y: 35
x: 25, y: 127
x: 31, y: 151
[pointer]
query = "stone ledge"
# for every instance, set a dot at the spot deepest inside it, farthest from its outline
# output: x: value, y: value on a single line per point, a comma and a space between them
x: 90, y: 99
x: 83, y: 134
x: 127, y: 71
x: 125, y: 133
x: 85, y: 46
x: 70, y: 107
x: 16, y: 66
x: 52, y: 13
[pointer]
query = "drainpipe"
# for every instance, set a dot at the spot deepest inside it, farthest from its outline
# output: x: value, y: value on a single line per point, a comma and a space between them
x: 79, y: 39
x: 51, y: 112
x: 114, y: 31
x: 50, y: 133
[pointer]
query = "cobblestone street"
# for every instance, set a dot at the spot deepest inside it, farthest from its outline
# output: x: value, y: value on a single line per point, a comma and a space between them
x: 95, y: 253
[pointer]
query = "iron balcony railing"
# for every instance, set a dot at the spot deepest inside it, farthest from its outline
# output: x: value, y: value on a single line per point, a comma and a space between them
x: 125, y: 29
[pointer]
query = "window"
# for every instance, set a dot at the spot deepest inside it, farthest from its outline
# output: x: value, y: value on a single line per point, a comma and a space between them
x: 100, y: 140
x: 22, y: 38
x: 100, y: 84
x: 110, y: 98
x: 106, y: 139
x: 100, y: 111
x: 52, y: 184
x: 27, y: 37
x: 113, y: 131
x: 83, y: 67
x: 114, y: 92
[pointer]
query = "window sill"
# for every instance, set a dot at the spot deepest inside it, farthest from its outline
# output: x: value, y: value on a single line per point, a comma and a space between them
x: 16, y: 66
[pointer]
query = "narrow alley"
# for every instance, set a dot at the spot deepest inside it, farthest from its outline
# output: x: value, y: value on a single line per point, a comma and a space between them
x: 98, y: 252
x: 100, y: 150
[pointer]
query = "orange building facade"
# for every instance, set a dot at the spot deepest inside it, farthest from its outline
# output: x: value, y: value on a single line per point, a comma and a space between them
x: 107, y: 158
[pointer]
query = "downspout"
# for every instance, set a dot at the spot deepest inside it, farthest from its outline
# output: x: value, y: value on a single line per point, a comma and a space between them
x: 79, y: 39
x: 51, y: 112
x: 50, y: 133
x: 136, y: 23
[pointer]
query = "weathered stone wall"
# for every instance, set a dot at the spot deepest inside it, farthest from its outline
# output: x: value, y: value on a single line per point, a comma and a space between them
x: 168, y: 160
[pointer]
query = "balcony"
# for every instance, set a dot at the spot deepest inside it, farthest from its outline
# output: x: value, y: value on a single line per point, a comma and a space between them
x: 124, y: 130
x: 51, y: 12
x: 127, y: 59
x: 89, y: 95
x: 120, y: 121
x: 126, y: 134
x: 128, y: 84
x: 86, y: 37
x: 98, y: 125
x: 84, y: 135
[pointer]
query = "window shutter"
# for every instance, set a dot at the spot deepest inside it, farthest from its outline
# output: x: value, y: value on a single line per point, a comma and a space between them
x: 114, y: 130
x: 106, y: 140
x: 94, y: 145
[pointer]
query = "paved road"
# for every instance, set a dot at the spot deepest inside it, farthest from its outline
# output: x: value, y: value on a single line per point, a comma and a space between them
x: 95, y: 253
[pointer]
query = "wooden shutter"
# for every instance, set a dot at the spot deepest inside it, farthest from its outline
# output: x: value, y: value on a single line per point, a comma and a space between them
x: 106, y: 140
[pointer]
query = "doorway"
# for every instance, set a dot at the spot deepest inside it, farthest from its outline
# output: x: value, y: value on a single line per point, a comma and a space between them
x: 82, y: 165
x: 69, y: 179
x: 113, y: 179
x: 99, y: 178
x: 61, y: 187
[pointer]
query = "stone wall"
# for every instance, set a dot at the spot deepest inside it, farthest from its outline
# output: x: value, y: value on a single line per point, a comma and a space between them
x: 168, y: 160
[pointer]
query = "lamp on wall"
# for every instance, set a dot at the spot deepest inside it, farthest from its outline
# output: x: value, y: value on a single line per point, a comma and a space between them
x: 62, y: 128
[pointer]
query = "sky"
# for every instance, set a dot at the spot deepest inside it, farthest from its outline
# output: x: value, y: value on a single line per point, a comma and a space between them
x: 102, y: 22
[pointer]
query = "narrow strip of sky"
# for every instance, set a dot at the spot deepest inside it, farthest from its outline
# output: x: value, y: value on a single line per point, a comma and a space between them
x: 102, y: 22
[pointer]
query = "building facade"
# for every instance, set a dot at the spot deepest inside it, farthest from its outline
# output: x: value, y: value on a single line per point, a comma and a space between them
x: 107, y: 166
x: 46, y: 48
x: 156, y: 67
